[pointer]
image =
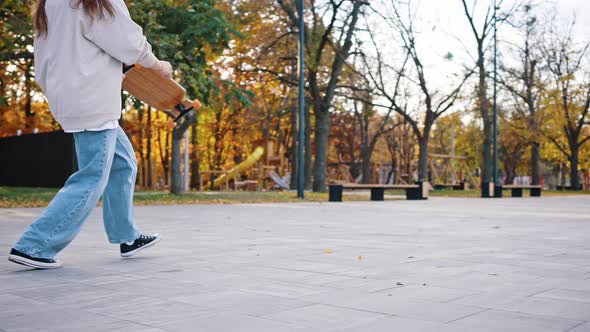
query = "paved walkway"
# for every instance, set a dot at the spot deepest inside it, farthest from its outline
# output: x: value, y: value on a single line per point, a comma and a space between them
x: 440, y: 265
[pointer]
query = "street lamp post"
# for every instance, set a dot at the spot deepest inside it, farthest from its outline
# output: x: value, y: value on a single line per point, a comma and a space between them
x: 497, y: 186
x: 301, y: 65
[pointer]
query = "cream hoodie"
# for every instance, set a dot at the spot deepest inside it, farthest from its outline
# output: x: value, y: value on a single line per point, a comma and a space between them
x: 79, y: 63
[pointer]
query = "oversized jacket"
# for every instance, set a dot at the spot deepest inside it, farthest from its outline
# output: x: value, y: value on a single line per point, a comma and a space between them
x: 78, y: 64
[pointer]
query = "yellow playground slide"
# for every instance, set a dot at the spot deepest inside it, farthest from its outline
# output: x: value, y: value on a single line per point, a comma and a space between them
x: 244, y: 166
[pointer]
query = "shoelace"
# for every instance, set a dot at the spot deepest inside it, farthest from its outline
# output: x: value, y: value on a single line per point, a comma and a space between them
x: 145, y: 237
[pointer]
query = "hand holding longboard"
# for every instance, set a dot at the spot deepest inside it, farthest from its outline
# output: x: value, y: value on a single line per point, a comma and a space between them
x: 160, y: 92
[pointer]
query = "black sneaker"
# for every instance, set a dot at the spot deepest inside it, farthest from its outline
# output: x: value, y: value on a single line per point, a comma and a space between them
x: 38, y: 263
x: 142, y: 242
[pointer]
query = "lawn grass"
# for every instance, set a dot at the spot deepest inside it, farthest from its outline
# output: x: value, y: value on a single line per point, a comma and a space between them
x: 228, y: 197
x: 18, y: 197
x: 11, y: 197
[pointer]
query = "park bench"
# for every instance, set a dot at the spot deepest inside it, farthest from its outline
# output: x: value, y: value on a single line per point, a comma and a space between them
x: 517, y: 189
x: 416, y: 191
x: 457, y: 186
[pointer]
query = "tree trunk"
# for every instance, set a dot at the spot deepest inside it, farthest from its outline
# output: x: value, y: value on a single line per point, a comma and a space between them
x: 142, y: 170
x: 28, y: 95
x: 510, y: 163
x: 487, y: 163
x: 195, y: 162
x: 423, y: 157
x: 322, y: 132
x: 574, y: 162
x: 563, y: 172
x: 366, y: 164
x: 176, y: 174
x: 166, y: 159
x: 150, y: 176
x: 510, y: 175
x: 356, y: 169
x: 294, y: 146
x: 392, y: 176
x: 307, y: 150
x: 535, y: 163
x: 164, y: 152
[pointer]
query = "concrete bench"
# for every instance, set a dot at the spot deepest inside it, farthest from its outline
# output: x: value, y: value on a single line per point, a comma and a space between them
x: 517, y: 189
x: 417, y: 191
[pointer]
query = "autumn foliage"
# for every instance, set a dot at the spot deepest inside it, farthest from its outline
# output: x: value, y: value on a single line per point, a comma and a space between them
x: 240, y: 58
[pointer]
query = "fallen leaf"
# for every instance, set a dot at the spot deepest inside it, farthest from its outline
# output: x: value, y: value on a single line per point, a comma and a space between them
x: 328, y: 251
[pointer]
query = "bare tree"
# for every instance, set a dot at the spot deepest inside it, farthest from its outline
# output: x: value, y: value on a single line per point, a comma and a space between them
x: 432, y: 102
x: 329, y: 34
x: 525, y: 86
x: 512, y: 144
x: 371, y: 124
x: 401, y: 145
x: 482, y: 35
x: 564, y: 60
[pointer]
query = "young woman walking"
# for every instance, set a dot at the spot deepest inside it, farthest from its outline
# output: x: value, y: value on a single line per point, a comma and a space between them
x: 80, y: 48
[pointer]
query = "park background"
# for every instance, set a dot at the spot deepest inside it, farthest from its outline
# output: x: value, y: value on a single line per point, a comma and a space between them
x: 391, y: 88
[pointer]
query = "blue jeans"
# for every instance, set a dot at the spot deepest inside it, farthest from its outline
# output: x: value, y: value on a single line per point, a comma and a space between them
x: 107, y: 167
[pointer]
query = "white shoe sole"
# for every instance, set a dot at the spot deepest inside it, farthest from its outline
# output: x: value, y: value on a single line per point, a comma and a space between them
x: 31, y: 263
x: 132, y: 253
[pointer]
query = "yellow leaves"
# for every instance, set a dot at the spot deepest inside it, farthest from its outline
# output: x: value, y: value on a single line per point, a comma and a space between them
x: 568, y: 77
x: 331, y: 251
x: 13, y: 118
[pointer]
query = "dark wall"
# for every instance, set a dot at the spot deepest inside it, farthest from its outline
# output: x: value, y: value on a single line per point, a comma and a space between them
x: 40, y: 160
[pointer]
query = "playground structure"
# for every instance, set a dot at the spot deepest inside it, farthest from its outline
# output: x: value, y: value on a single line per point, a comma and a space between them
x: 260, y: 171
x: 340, y: 173
x: 241, y: 168
x: 268, y: 169
x: 445, y: 171
x: 449, y: 171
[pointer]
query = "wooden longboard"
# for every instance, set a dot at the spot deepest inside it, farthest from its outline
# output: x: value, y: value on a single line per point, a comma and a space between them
x: 161, y: 93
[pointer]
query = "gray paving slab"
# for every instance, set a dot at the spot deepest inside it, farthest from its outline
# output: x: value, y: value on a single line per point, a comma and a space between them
x: 395, y: 323
x: 395, y: 305
x: 585, y: 327
x: 58, y: 319
x: 320, y: 317
x: 508, y: 321
x: 445, y: 264
x: 427, y: 293
x: 148, y: 312
x: 231, y: 321
x: 242, y: 302
x: 566, y: 294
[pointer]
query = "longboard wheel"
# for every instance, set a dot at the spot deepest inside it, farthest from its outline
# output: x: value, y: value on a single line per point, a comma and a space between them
x: 196, y: 104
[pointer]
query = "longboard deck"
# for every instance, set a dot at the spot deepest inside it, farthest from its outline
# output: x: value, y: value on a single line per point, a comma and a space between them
x: 162, y: 93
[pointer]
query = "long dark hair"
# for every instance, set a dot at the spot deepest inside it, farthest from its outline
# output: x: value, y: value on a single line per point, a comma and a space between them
x: 92, y: 8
